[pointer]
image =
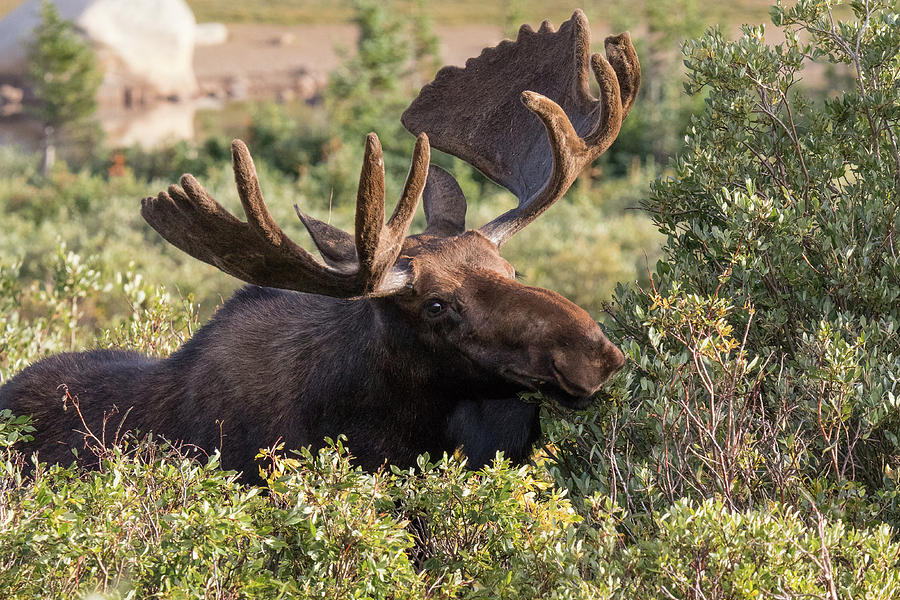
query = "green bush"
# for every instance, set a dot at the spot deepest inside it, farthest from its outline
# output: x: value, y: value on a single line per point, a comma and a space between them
x: 707, y: 550
x: 45, y: 318
x: 764, y: 351
x: 153, y: 523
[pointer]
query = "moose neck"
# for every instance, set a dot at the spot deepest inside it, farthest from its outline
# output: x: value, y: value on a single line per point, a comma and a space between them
x: 301, y: 367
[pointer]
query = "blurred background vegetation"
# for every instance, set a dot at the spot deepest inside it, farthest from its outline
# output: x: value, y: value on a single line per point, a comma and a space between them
x: 309, y: 154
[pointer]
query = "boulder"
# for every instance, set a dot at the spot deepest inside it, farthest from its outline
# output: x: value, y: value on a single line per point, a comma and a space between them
x: 145, y: 47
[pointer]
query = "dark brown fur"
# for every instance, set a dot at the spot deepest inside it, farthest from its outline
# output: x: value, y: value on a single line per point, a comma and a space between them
x: 274, y: 364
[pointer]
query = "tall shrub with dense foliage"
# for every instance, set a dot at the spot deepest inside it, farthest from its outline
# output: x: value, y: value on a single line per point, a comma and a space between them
x: 765, y: 355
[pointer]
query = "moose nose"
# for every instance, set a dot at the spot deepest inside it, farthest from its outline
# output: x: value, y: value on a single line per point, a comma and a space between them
x: 616, y: 358
x: 582, y: 373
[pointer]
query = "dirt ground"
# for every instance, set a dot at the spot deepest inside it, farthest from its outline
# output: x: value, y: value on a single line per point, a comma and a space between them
x: 264, y: 55
x: 253, y: 48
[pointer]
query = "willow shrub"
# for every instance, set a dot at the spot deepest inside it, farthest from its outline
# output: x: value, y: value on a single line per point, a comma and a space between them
x: 764, y: 355
x: 153, y: 523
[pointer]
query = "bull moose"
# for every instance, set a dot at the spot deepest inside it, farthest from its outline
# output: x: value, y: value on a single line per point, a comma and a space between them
x: 403, y: 343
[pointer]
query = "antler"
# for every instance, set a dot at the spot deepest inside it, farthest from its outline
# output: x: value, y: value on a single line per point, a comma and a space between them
x: 479, y: 113
x: 259, y: 252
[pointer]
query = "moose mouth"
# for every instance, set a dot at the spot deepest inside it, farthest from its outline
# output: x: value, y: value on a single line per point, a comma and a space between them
x: 563, y: 398
x: 549, y: 389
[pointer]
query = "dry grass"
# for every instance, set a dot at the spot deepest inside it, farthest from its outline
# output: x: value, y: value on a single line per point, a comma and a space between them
x: 452, y: 12
x: 449, y: 12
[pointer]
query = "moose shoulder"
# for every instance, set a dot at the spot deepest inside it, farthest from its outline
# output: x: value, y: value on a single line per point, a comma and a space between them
x: 403, y: 343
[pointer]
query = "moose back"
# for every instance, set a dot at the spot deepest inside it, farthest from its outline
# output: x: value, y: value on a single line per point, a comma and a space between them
x: 404, y: 343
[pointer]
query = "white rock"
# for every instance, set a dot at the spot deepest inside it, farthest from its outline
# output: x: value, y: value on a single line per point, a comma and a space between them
x: 140, y: 43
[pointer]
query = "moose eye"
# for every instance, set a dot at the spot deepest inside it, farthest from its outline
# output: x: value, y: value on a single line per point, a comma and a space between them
x: 435, y: 308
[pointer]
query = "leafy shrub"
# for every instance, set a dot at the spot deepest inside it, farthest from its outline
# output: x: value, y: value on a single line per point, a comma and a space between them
x: 709, y: 551
x: 39, y: 320
x: 153, y: 523
x: 502, y: 529
x: 333, y: 533
x: 149, y: 523
x: 764, y: 354
x: 42, y: 319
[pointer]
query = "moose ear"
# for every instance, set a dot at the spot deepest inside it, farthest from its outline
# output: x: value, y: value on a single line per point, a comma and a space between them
x: 444, y: 203
x: 336, y: 246
x: 396, y: 279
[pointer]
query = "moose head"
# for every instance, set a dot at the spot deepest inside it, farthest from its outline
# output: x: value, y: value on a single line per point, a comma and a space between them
x: 404, y: 343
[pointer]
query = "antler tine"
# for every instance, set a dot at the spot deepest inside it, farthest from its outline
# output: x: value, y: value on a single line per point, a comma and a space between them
x: 377, y: 244
x: 399, y: 223
x: 370, y: 207
x: 247, y: 183
x: 479, y: 113
x: 624, y: 61
x: 610, y: 106
x: 259, y: 252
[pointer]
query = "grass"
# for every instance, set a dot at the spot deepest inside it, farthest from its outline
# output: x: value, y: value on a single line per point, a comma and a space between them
x: 452, y: 12
x: 449, y: 12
